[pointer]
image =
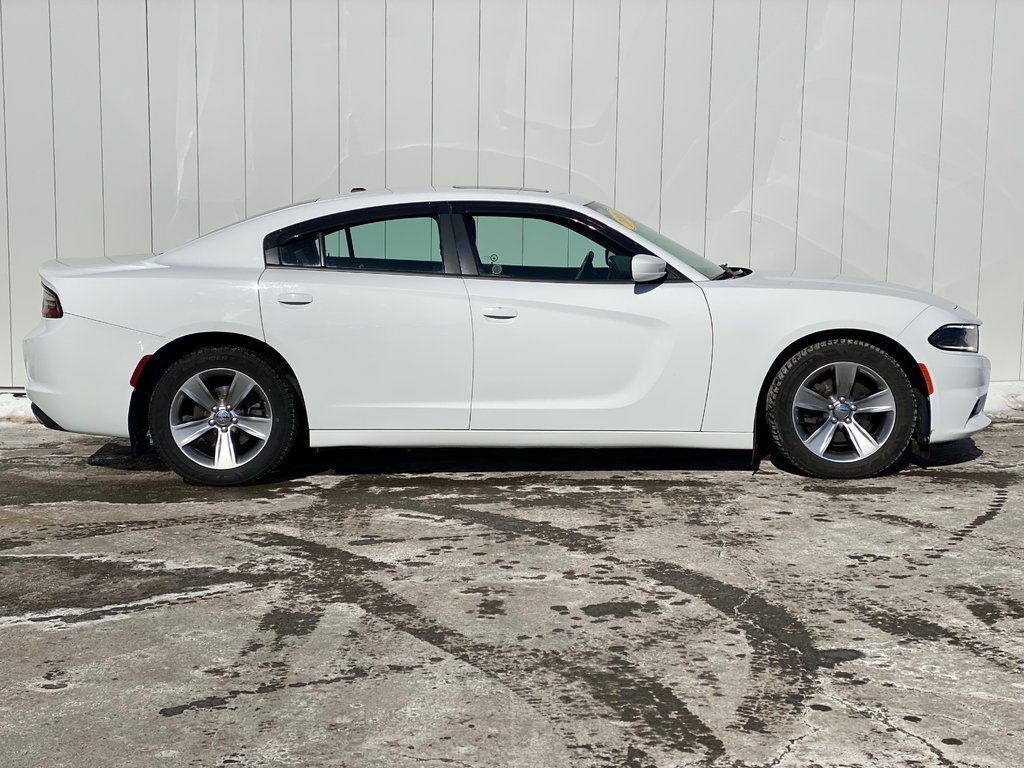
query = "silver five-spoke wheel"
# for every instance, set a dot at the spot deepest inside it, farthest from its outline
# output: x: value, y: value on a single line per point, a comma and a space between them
x: 841, y: 408
x: 844, y: 411
x: 224, y: 415
x: 220, y: 418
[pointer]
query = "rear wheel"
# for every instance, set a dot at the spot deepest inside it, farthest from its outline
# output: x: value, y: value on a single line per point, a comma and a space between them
x: 223, y: 416
x: 842, y: 409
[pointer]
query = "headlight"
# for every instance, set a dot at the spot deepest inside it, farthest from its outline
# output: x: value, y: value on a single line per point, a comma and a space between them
x: 956, y: 338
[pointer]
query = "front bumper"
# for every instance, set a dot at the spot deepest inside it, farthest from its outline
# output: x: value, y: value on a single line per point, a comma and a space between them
x: 960, y: 379
x: 958, y: 403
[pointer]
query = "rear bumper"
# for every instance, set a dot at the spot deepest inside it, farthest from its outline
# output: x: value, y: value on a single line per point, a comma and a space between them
x: 45, y: 420
x: 79, y: 371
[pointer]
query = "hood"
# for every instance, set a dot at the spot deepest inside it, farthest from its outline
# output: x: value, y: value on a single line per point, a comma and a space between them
x: 844, y: 285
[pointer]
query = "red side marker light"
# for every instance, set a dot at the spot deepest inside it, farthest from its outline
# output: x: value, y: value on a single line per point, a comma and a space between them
x: 138, y: 370
x: 927, y: 378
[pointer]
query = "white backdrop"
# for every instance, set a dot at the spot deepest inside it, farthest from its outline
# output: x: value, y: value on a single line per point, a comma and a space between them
x: 872, y: 138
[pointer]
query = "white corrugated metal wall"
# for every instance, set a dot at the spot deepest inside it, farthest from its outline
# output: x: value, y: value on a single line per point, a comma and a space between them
x: 877, y: 138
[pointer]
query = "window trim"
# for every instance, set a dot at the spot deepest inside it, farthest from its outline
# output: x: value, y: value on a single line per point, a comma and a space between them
x: 587, y: 226
x: 439, y: 211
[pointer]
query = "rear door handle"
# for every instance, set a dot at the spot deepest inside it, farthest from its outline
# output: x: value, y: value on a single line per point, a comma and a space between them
x: 501, y: 313
x: 294, y: 299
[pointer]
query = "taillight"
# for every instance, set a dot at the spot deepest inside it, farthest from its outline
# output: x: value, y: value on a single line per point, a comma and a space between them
x: 51, y: 304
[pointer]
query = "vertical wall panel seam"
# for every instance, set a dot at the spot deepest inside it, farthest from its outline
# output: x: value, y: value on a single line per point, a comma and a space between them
x: 664, y: 91
x: 1020, y: 363
x: 337, y: 7
x: 99, y: 94
x: 291, y: 91
x: 526, y: 78
x: 433, y: 10
x: 479, y: 67
x: 245, y: 129
x: 53, y: 131
x: 938, y: 158
x: 846, y: 154
x: 707, y: 137
x: 572, y: 72
x: 385, y: 104
x: 149, y: 131
x: 800, y: 141
x: 984, y: 171
x: 892, y: 159
x: 618, y: 76
x: 753, y: 138
x: 477, y: 162
x: 7, y: 194
x: 195, y: 76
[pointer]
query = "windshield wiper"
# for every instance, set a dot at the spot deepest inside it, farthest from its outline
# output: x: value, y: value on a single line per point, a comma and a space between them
x: 731, y: 272
x: 726, y: 273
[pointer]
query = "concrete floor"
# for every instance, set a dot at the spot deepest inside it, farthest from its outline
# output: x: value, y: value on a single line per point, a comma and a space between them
x: 510, y: 608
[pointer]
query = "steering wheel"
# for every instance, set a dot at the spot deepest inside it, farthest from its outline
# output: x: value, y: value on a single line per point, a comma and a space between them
x: 586, y: 267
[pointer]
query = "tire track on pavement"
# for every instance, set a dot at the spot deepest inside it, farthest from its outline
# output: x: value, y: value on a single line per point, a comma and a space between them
x: 652, y: 710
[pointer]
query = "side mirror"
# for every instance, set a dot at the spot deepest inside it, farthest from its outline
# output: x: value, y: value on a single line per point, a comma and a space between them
x: 647, y: 268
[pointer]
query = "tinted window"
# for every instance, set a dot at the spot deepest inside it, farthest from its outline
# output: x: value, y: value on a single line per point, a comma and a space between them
x: 535, y: 248
x: 301, y: 251
x: 394, y: 245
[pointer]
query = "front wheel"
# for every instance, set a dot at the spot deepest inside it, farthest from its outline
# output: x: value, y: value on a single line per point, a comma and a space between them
x: 223, y: 416
x: 841, y: 409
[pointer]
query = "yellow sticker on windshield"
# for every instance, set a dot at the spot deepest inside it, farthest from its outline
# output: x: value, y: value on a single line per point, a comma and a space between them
x: 622, y: 219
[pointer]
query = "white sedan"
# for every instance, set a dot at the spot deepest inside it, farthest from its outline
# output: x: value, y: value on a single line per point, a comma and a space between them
x: 489, y: 317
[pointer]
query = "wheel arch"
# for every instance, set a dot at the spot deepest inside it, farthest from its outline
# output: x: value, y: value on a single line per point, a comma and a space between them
x: 922, y: 430
x: 163, y: 358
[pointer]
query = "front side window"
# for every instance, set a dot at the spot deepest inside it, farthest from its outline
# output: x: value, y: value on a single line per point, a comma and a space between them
x: 411, y: 244
x: 539, y: 248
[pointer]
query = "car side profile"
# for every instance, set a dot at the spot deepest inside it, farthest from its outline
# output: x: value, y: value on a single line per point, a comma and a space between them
x: 488, y: 317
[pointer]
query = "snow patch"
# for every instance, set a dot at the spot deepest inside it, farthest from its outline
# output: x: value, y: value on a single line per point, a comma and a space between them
x: 15, y: 410
x: 1005, y: 399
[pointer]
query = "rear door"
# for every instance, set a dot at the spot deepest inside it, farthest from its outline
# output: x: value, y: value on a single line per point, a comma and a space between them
x: 370, y: 312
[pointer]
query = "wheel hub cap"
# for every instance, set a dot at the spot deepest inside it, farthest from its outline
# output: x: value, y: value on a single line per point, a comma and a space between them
x: 222, y: 418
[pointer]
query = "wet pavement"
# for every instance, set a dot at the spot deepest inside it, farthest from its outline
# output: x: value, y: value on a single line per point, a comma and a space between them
x: 510, y: 608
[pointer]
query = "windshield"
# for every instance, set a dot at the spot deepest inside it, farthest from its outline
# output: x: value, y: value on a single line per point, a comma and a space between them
x: 684, y: 254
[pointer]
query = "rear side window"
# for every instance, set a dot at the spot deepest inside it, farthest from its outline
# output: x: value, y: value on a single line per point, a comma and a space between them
x: 410, y: 244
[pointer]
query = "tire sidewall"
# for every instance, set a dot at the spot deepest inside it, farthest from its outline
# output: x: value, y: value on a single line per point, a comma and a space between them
x: 267, y: 375
x: 788, y: 380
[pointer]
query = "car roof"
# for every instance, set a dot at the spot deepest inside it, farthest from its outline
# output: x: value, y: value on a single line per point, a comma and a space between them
x: 390, y: 196
x: 268, y: 221
x: 241, y: 244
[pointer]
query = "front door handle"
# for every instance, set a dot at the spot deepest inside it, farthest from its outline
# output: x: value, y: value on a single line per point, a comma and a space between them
x: 501, y: 313
x: 294, y: 299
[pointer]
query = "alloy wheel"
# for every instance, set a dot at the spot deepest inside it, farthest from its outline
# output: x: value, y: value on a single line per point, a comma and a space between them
x: 844, y: 412
x: 220, y: 418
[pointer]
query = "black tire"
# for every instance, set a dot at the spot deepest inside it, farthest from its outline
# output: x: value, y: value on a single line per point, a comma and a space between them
x: 223, y: 445
x: 832, y: 437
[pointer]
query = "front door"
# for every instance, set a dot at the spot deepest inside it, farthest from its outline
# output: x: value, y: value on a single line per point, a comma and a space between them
x: 563, y: 338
